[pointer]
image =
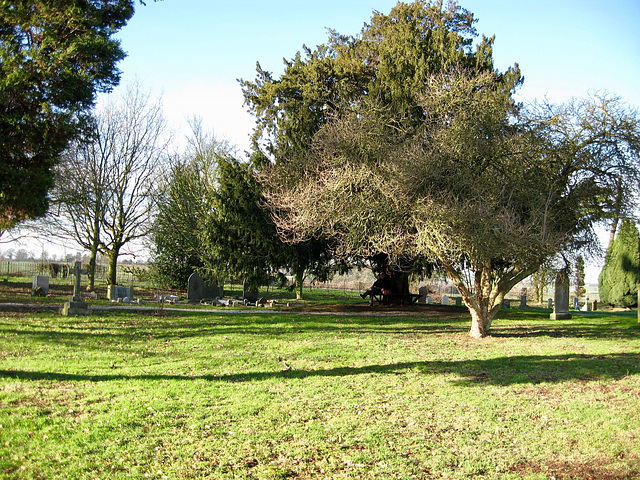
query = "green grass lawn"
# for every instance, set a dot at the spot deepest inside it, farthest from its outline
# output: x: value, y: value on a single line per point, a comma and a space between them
x: 293, y: 395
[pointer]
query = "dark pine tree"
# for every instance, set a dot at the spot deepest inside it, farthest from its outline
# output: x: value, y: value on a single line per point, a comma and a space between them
x: 620, y: 276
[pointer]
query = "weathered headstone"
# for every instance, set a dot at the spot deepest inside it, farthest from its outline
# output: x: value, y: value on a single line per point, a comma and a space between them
x: 576, y: 303
x: 249, y: 294
x: 423, y: 291
x: 195, y: 287
x: 458, y: 301
x: 117, y: 293
x: 41, y: 281
x: 429, y: 300
x: 523, y: 300
x: 550, y: 303
x: 561, y: 300
x: 199, y: 289
x: 76, y: 304
x: 594, y: 305
x: 506, y: 303
x: 445, y: 300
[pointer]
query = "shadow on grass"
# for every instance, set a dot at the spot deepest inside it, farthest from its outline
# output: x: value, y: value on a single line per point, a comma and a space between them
x: 126, y: 328
x: 501, y: 371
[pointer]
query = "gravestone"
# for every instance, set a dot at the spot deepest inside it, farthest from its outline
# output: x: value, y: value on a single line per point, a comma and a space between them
x: 445, y: 300
x: 429, y: 300
x: 550, y: 303
x: 523, y: 300
x: 117, y: 293
x: 594, y: 305
x: 76, y: 304
x: 422, y: 291
x: 506, y: 303
x: 561, y: 300
x: 198, y: 289
x: 41, y: 281
x: 458, y: 301
x: 249, y: 294
x: 195, y: 287
x: 576, y: 303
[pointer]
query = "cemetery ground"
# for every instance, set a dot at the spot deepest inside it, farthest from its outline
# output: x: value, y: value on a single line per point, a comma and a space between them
x: 335, y: 391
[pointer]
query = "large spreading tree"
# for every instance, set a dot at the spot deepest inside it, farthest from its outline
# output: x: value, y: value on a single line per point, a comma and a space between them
x: 387, y: 61
x: 54, y: 57
x: 420, y: 150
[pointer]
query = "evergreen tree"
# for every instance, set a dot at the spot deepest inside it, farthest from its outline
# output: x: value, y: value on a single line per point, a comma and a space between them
x: 239, y: 239
x: 54, y: 57
x: 184, y: 202
x: 620, y: 276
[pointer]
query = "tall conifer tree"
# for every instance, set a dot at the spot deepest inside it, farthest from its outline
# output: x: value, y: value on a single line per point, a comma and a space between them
x: 620, y: 276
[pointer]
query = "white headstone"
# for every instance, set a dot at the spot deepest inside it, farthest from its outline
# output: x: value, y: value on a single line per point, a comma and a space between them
x: 429, y: 300
x: 445, y: 300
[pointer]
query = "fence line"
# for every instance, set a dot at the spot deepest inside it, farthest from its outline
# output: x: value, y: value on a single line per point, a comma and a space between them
x: 58, y: 270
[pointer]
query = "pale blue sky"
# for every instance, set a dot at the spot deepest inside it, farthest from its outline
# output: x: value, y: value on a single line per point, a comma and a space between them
x: 194, y: 50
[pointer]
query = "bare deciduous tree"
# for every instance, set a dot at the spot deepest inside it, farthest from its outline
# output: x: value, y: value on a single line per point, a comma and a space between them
x: 104, y: 194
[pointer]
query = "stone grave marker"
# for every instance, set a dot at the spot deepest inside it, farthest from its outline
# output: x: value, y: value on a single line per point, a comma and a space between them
x: 445, y: 300
x: 199, y: 289
x: 561, y: 300
x: 118, y: 293
x: 523, y: 300
x: 423, y: 295
x: 250, y: 295
x: 41, y: 281
x: 195, y: 287
x: 76, y: 304
x: 429, y: 300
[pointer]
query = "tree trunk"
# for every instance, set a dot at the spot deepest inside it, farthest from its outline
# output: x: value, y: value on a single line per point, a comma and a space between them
x: 613, y: 230
x: 484, y: 304
x: 617, y: 212
x: 91, y: 271
x: 299, y: 279
x: 112, y: 272
x: 480, y: 323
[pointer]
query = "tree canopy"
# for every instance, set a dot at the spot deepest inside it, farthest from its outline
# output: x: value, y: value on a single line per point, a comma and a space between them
x: 432, y: 157
x: 184, y: 202
x: 389, y: 61
x: 54, y: 57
